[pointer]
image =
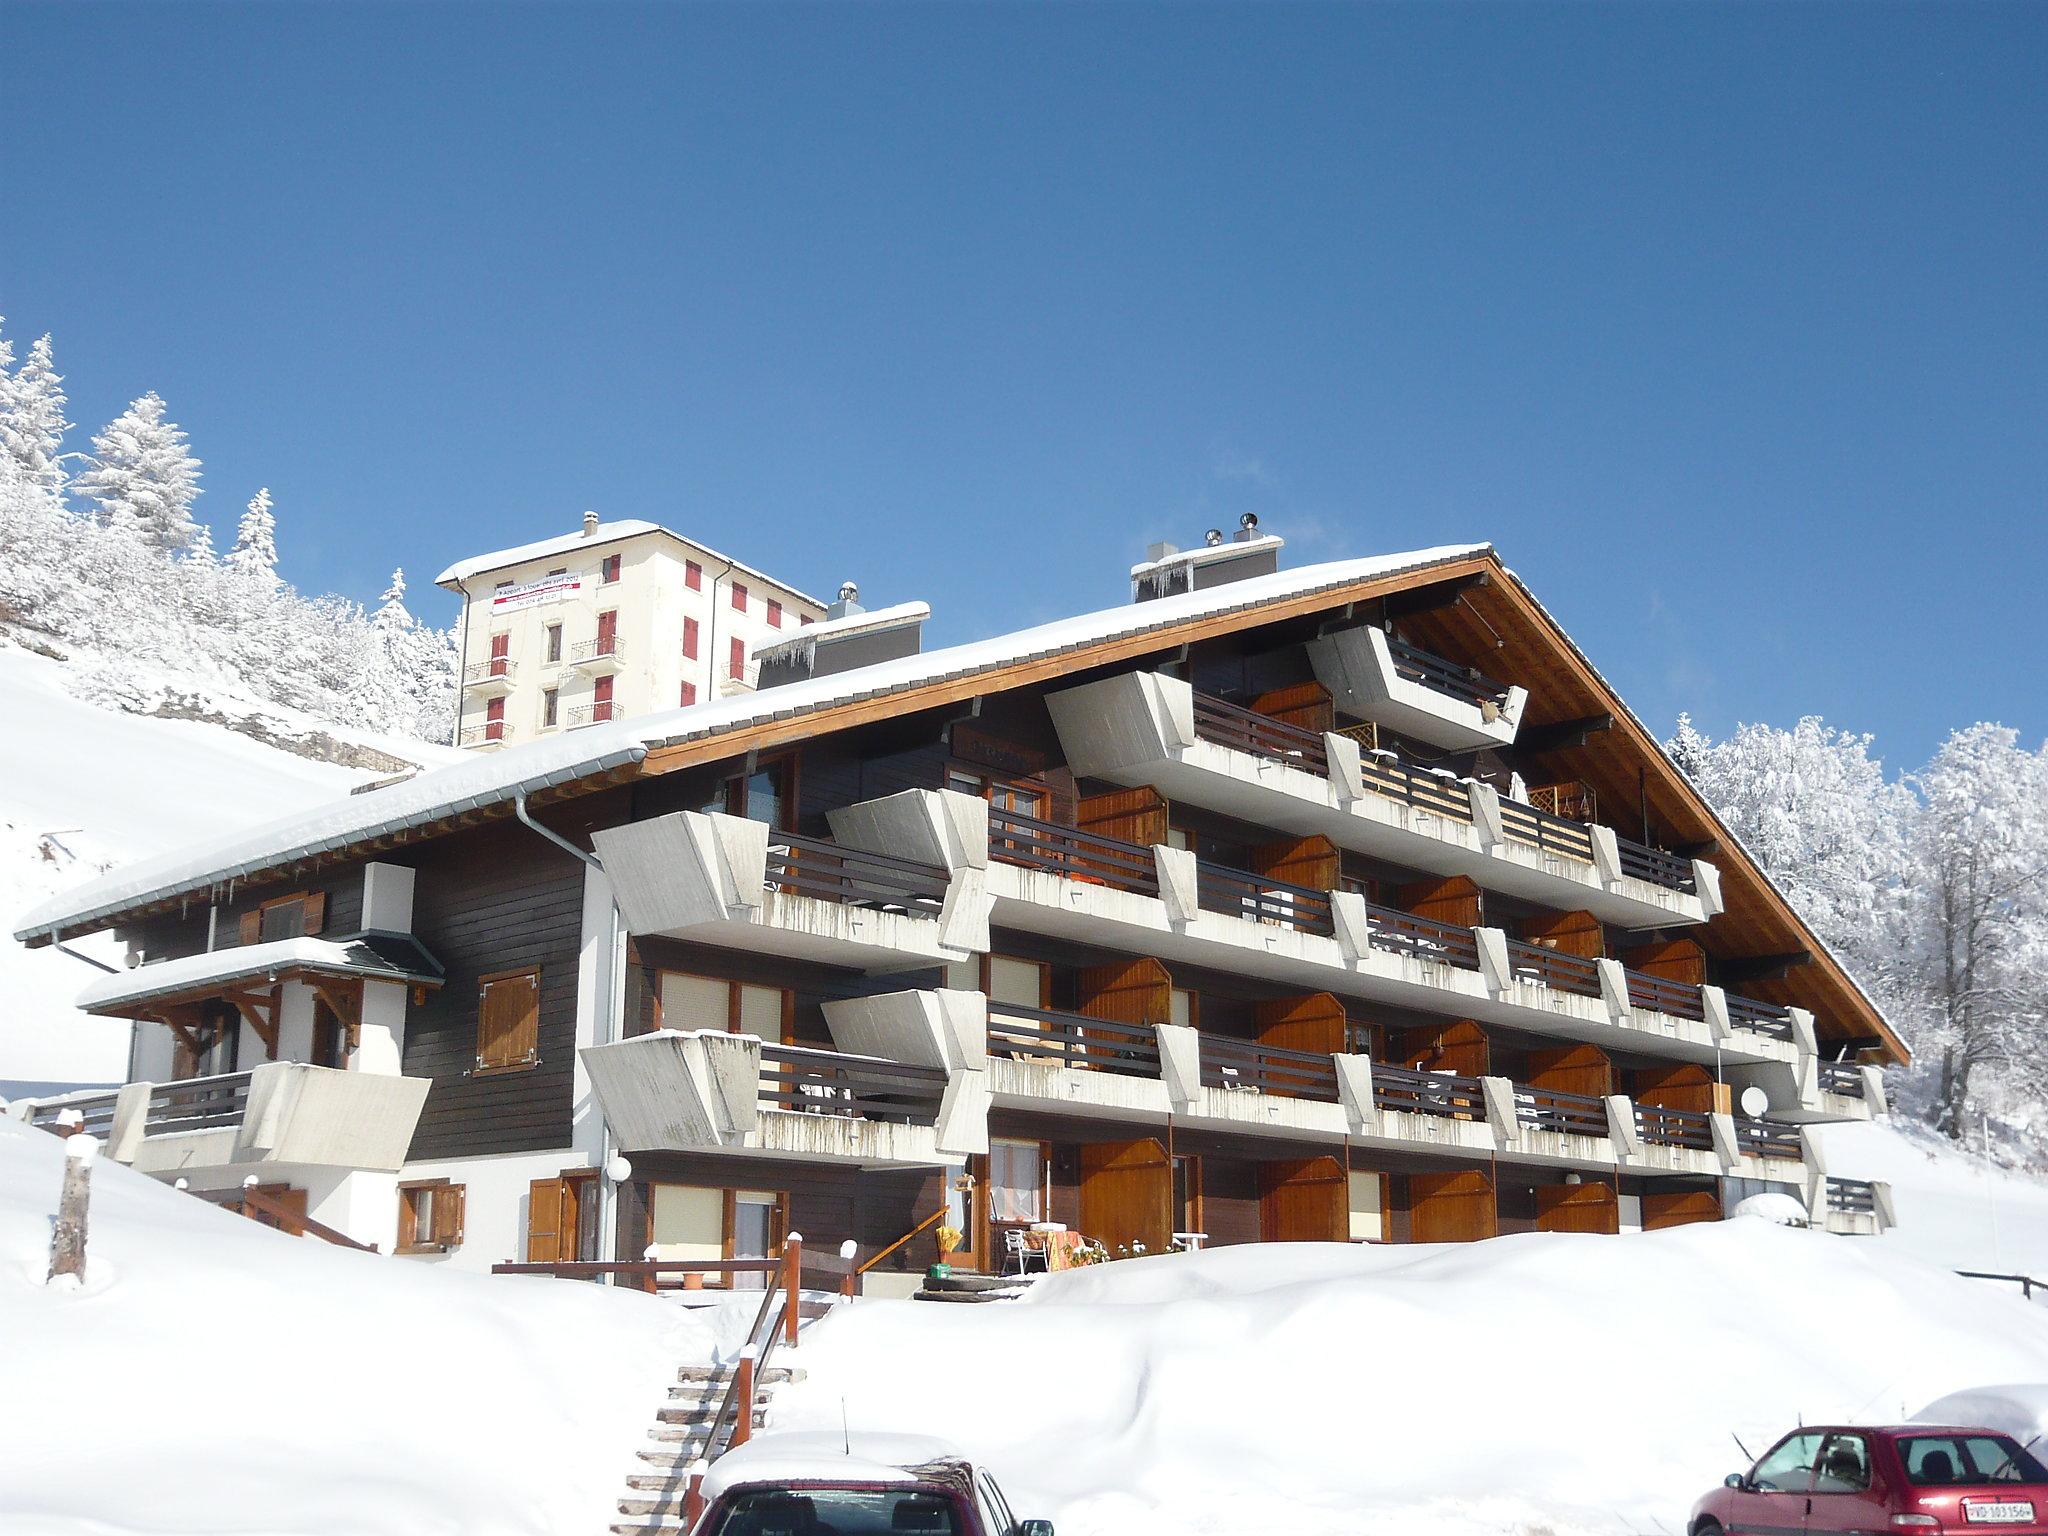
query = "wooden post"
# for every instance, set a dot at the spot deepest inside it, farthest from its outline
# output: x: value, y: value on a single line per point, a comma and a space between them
x: 792, y: 1286
x: 693, y: 1495
x: 743, y: 1425
x: 67, y: 1241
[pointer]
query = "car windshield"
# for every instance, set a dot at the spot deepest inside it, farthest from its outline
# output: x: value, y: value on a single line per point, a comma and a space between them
x: 1938, y: 1461
x: 839, y: 1512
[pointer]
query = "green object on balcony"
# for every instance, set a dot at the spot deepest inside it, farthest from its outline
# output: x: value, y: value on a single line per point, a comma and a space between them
x: 939, y: 1272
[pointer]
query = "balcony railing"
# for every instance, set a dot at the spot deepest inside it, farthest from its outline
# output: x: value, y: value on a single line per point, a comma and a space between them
x: 95, y: 1113
x: 490, y: 667
x: 197, y: 1104
x: 1843, y: 1077
x: 1428, y: 1093
x: 1572, y: 1114
x: 1072, y: 1040
x: 1642, y: 862
x: 592, y: 650
x: 1422, y: 938
x: 1438, y: 792
x: 815, y: 1082
x: 1758, y: 1018
x: 1659, y: 995
x: 1018, y: 839
x: 1246, y: 730
x: 593, y: 714
x: 1852, y: 1197
x: 1554, y: 968
x: 1249, y: 1066
x: 1768, y: 1138
x: 1544, y: 832
x: 477, y: 735
x: 1445, y: 676
x: 812, y: 866
x: 1258, y: 899
x: 1689, y: 1128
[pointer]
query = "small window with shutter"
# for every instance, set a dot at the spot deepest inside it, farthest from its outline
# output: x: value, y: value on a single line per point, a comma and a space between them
x: 429, y: 1216
x: 284, y: 917
x: 508, y: 1021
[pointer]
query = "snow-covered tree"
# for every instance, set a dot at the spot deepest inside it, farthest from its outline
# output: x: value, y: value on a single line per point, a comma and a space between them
x: 255, y: 549
x: 32, y: 424
x: 141, y: 477
x: 391, y: 618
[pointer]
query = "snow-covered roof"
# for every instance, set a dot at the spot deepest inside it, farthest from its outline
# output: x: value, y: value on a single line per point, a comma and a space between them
x: 496, y: 779
x: 604, y: 533
x: 165, y: 978
x: 819, y: 1456
x: 852, y: 624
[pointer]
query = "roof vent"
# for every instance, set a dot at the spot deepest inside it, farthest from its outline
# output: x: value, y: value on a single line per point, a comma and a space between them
x: 848, y: 637
x: 1168, y: 571
x: 589, y: 525
x: 848, y: 604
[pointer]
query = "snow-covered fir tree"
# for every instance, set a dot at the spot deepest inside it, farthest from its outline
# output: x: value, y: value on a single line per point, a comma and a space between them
x: 32, y: 424
x: 255, y: 549
x: 141, y: 477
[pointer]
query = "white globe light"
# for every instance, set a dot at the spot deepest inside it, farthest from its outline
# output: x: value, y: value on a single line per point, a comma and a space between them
x: 617, y: 1169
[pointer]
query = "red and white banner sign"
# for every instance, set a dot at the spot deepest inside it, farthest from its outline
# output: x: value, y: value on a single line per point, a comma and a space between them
x: 548, y: 589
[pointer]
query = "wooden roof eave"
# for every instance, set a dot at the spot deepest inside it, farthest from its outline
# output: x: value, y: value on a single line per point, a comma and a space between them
x: 228, y: 988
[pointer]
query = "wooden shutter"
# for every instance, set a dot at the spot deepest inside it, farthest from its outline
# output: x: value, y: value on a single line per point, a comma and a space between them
x: 1683, y: 1087
x: 1460, y: 1047
x: 249, y: 927
x: 1569, y: 933
x: 508, y: 1020
x: 1680, y: 1208
x: 1309, y: 861
x: 544, y: 1204
x: 1451, y: 900
x: 1131, y: 991
x: 1572, y: 1069
x: 1451, y: 1207
x: 1577, y: 1208
x: 313, y: 914
x: 450, y: 1206
x: 1127, y: 1195
x: 1304, y: 704
x: 1678, y: 960
x: 607, y: 631
x: 1131, y: 815
x: 1306, y: 1200
x: 1312, y: 1023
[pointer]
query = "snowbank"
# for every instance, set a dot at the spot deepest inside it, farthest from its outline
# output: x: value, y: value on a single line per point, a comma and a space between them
x: 1543, y: 1382
x: 214, y: 1376
x: 2020, y: 1410
x: 1955, y: 1209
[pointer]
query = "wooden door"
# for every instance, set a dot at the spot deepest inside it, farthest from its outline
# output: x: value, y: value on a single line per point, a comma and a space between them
x: 1305, y: 861
x: 544, y: 1224
x: 1127, y: 1196
x: 1569, y: 933
x: 1684, y: 1087
x: 1459, y: 1047
x: 607, y: 632
x: 1572, y: 1069
x: 1304, y: 704
x: 1454, y: 899
x: 1680, y: 1208
x: 1129, y: 815
x: 1138, y: 991
x: 494, y: 719
x: 501, y: 655
x: 1577, y: 1208
x: 1305, y: 1200
x: 1312, y: 1023
x: 601, y: 699
x: 1456, y: 1207
x: 1679, y: 960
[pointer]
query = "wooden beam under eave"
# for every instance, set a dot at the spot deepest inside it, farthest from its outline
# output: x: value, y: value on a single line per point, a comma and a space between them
x: 1437, y: 595
x: 346, y: 999
x: 259, y: 1010
x: 1745, y: 968
x: 1562, y: 734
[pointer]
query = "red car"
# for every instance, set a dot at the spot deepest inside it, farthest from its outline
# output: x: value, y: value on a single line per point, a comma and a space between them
x: 1911, y: 1477
x: 808, y: 1483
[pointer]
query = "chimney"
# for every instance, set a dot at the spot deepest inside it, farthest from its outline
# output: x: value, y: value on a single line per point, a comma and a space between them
x: 589, y: 525
x: 1168, y: 571
x: 848, y: 604
x: 847, y: 637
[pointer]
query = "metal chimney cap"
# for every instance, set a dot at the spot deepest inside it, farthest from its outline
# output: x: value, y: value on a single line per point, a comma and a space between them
x: 849, y: 592
x: 589, y: 524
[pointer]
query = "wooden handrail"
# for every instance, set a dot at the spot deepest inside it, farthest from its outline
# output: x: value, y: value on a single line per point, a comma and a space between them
x: 590, y: 1269
x: 936, y: 1216
x: 297, y: 1225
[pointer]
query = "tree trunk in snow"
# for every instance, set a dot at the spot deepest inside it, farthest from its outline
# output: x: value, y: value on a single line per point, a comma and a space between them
x: 67, y: 1242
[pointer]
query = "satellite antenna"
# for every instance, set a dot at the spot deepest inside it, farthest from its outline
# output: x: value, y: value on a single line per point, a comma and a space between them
x: 1755, y: 1102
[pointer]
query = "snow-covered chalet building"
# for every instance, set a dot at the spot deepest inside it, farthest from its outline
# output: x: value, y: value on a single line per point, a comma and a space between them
x: 1339, y: 903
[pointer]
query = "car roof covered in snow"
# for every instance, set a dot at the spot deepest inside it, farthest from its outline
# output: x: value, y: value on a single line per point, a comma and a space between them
x: 500, y: 778
x: 604, y: 533
x: 821, y: 1456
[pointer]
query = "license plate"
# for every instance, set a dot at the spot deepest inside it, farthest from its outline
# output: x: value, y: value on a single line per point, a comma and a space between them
x: 2015, y: 1513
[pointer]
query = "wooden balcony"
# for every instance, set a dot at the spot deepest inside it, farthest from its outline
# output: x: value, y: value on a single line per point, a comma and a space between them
x: 1150, y: 730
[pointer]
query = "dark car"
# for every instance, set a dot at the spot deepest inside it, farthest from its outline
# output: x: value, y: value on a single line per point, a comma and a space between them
x: 864, y: 1484
x: 1915, y: 1477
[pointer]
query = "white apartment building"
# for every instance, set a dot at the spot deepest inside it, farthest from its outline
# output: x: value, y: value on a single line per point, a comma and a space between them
x: 621, y: 619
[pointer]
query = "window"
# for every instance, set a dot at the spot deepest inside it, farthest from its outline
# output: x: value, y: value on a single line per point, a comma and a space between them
x: 689, y: 694
x: 754, y: 1223
x: 1187, y: 1193
x: 690, y: 639
x: 774, y: 614
x: 429, y: 1216
x: 1016, y: 1181
x: 330, y: 1036
x: 1017, y: 983
x: 768, y: 794
x: 210, y: 1047
x: 550, y: 703
x: 609, y: 571
x: 693, y: 575
x: 508, y: 1021
x: 1002, y: 794
x: 1935, y: 1461
x: 1788, y: 1468
x: 1844, y: 1465
x: 808, y: 619
x: 686, y: 1001
x: 736, y: 663
x: 562, y: 1219
x: 554, y: 642
x: 739, y: 597
x: 844, y: 1509
x: 300, y: 914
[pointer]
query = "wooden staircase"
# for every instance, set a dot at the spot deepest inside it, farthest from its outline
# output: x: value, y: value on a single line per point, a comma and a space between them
x: 659, y: 1487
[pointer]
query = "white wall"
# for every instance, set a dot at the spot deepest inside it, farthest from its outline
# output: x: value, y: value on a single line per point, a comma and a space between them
x: 494, y: 1195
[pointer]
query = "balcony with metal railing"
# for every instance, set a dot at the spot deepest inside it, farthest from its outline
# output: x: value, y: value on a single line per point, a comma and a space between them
x: 486, y: 734
x: 596, y: 713
x: 605, y: 654
x: 491, y: 678
x: 1148, y: 729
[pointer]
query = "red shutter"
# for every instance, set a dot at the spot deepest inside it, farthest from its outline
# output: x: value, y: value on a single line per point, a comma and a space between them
x: 501, y: 651
x: 603, y: 689
x: 737, y: 667
x: 690, y: 639
x: 494, y: 711
x: 739, y: 597
x: 689, y: 694
x: 611, y: 567
x: 607, y: 631
x: 774, y: 614
x: 693, y: 575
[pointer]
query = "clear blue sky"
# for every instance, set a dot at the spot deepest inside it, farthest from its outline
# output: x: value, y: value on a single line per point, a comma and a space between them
x: 1724, y: 322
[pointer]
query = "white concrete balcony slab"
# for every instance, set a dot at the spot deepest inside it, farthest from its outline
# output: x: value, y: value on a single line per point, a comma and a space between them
x: 1808, y: 1090
x: 728, y: 881
x: 1851, y: 1207
x: 279, y: 1113
x: 1143, y: 728
x: 491, y: 678
x: 597, y: 658
x: 1162, y: 902
x: 708, y: 1091
x: 1375, y: 677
